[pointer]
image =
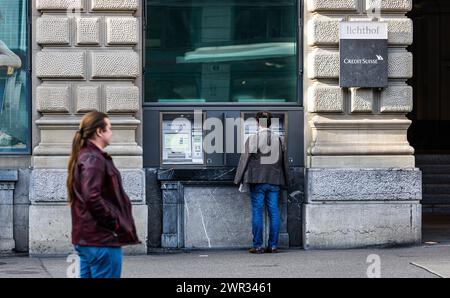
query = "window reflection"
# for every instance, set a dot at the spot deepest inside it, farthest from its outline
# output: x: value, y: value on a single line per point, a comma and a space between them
x: 221, y: 51
x: 13, y: 77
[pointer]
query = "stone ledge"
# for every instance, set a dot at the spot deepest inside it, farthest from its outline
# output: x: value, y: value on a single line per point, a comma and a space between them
x: 360, y: 225
x: 49, y: 185
x: 362, y: 161
x: 359, y: 135
x: 9, y: 175
x: 50, y: 230
x: 326, y: 185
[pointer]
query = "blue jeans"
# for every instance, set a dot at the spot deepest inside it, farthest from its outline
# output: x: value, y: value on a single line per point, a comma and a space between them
x: 99, y: 262
x: 260, y: 194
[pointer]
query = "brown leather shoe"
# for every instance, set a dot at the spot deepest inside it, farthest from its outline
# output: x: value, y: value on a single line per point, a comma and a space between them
x: 256, y: 250
x: 271, y: 250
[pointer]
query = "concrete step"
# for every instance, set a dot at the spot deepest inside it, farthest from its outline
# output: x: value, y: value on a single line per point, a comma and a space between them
x: 435, y: 178
x: 434, y: 169
x: 435, y: 199
x: 424, y: 159
x: 436, y: 188
x: 435, y: 209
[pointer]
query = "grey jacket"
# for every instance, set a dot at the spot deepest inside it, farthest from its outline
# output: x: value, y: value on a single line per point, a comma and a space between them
x: 264, y: 160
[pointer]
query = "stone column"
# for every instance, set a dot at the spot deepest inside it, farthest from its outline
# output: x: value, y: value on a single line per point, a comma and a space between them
x: 363, y: 188
x: 86, y: 56
x: 173, y: 215
x: 8, y: 179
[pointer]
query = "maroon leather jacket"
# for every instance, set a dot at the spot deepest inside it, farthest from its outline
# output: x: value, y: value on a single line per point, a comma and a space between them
x: 101, y: 210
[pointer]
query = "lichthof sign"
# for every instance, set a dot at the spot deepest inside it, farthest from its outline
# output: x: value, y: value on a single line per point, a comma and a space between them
x: 363, y: 49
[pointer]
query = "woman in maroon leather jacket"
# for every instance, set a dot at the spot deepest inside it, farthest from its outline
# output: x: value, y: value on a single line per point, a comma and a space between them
x: 102, y: 221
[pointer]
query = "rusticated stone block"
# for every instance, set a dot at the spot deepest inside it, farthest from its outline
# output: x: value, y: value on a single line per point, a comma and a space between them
x: 400, y: 65
x: 122, y: 99
x: 61, y: 65
x: 323, y: 64
x: 361, y: 100
x: 115, y: 4
x: 323, y: 30
x: 88, y: 98
x: 115, y: 65
x: 122, y: 30
x: 88, y: 31
x: 53, y: 30
x: 52, y: 98
x: 400, y: 30
x: 397, y: 99
x: 325, y: 98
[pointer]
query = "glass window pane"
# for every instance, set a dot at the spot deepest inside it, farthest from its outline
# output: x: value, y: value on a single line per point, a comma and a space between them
x: 14, y: 77
x: 221, y: 51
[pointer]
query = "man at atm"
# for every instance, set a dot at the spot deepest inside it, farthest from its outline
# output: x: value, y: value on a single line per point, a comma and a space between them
x: 264, y: 167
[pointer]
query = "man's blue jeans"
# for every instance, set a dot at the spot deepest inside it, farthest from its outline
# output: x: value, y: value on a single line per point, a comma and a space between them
x: 265, y: 193
x: 99, y: 262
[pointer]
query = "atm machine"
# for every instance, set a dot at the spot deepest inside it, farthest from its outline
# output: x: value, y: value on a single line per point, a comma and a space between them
x: 184, y: 178
x: 181, y: 140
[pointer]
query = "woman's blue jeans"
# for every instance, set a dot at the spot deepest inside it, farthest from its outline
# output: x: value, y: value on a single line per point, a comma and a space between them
x: 260, y: 194
x: 99, y: 262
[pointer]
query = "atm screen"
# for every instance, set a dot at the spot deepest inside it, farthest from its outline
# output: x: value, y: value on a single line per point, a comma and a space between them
x: 251, y: 126
x: 182, y: 140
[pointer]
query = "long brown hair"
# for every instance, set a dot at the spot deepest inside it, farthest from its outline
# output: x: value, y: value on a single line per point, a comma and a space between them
x: 88, y: 127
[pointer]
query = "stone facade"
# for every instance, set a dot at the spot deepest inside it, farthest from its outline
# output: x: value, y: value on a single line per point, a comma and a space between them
x: 362, y: 185
x: 86, y: 56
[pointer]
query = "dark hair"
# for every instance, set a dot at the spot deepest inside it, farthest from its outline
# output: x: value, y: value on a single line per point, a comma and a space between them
x: 87, y: 129
x: 264, y: 118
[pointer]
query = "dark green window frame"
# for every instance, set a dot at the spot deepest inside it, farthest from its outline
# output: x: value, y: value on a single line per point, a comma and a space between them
x: 25, y: 91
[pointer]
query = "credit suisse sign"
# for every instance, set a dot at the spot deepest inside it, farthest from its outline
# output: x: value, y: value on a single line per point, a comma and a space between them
x: 363, y: 49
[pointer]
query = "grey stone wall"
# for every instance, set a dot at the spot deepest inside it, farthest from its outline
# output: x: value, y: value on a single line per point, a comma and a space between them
x: 362, y: 185
x: 348, y: 208
x: 21, y: 210
x: 356, y: 127
x: 50, y: 219
x: 86, y: 56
